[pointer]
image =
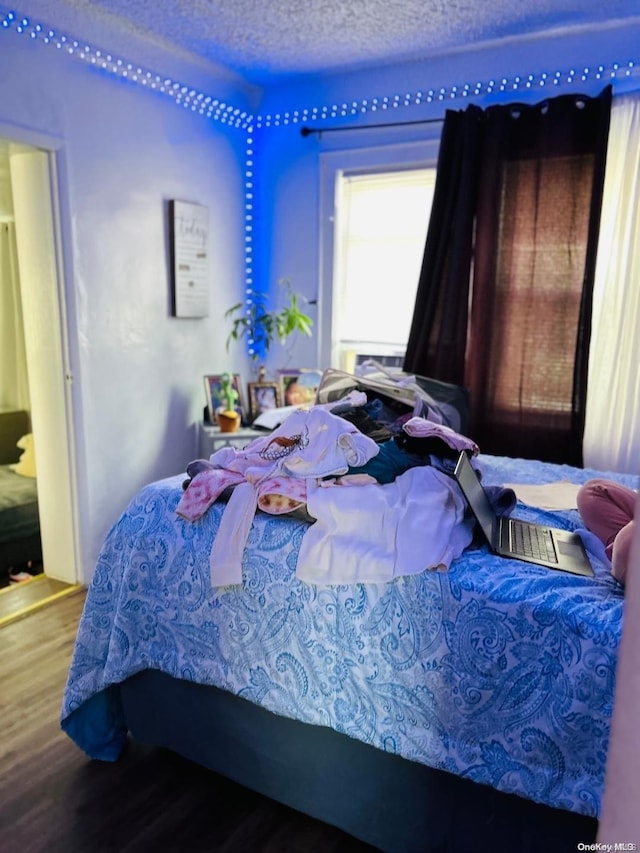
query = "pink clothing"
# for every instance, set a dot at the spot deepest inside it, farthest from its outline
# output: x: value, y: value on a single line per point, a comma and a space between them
x: 421, y: 428
x: 279, y: 495
x: 308, y: 444
x: 272, y: 472
x: 607, y: 509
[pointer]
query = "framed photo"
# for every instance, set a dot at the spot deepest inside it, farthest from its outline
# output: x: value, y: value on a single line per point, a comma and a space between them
x: 299, y: 387
x: 262, y: 397
x: 213, y: 392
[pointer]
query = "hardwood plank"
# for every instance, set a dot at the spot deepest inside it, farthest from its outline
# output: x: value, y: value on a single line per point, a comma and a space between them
x: 23, y: 599
x: 54, y: 799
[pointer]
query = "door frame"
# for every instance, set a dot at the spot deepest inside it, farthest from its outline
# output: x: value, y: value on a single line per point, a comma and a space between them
x: 35, y: 165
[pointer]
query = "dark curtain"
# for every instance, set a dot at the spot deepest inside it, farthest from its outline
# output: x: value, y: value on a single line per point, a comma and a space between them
x: 438, y: 333
x: 516, y: 214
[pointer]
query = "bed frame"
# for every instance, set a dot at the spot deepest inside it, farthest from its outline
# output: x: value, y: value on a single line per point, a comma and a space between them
x: 397, y: 806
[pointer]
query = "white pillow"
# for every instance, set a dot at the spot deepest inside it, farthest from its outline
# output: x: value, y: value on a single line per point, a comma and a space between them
x: 26, y: 465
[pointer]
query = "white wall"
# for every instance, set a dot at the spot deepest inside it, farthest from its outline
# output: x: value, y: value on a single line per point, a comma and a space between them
x: 122, y: 153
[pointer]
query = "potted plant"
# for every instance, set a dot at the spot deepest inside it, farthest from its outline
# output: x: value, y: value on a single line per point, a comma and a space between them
x: 261, y: 326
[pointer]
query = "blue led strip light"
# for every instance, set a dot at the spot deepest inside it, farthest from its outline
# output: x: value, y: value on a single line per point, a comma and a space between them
x: 517, y: 83
x: 248, y: 230
x: 212, y: 107
x: 183, y: 96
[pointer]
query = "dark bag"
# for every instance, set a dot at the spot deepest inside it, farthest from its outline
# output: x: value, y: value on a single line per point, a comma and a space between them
x: 404, y: 393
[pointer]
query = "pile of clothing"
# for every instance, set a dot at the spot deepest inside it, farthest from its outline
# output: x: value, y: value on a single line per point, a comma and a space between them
x: 376, y: 491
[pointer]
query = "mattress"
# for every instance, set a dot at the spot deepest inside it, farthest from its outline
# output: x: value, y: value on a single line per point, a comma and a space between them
x: 497, y: 671
x: 18, y: 506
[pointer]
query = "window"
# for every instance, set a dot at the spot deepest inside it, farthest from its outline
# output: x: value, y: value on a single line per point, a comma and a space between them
x: 381, y: 225
x: 380, y: 158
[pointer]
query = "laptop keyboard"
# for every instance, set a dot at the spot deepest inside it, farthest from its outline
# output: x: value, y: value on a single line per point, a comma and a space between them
x: 531, y: 541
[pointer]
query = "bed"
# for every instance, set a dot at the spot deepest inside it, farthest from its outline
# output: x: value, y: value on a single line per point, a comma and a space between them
x: 444, y: 710
x: 20, y: 543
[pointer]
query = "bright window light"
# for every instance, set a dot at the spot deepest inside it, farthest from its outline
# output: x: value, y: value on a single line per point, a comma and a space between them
x: 380, y: 232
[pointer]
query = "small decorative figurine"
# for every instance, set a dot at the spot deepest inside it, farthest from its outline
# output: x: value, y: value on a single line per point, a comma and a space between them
x: 228, y: 418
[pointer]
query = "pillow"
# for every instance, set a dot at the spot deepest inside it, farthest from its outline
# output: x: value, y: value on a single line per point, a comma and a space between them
x: 26, y: 465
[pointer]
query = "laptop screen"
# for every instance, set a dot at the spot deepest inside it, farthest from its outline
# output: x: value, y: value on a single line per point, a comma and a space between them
x: 478, y: 501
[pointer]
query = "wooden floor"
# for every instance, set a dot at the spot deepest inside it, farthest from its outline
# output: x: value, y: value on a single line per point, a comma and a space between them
x: 20, y: 600
x: 53, y: 799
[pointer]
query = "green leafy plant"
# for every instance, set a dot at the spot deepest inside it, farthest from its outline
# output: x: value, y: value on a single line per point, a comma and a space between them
x: 261, y: 326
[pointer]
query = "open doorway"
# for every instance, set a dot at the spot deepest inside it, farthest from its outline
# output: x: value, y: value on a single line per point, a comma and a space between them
x: 28, y: 199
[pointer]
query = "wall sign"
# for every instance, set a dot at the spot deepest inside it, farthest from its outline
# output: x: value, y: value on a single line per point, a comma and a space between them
x: 189, y: 235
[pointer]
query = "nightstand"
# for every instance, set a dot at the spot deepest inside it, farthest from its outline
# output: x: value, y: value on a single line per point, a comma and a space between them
x: 211, y: 439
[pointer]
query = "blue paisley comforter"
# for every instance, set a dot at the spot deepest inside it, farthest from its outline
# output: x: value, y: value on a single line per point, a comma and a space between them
x: 497, y: 670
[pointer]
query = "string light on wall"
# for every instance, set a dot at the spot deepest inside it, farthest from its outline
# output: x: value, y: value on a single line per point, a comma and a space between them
x: 184, y: 96
x: 206, y: 105
x: 248, y: 231
x: 516, y: 83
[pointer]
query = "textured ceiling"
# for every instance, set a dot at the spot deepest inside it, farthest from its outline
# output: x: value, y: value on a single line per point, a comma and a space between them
x: 266, y: 39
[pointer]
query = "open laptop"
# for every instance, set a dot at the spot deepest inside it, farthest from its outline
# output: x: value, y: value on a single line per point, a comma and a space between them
x: 518, y: 539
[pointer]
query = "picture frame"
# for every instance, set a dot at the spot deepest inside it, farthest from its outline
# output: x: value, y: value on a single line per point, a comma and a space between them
x: 298, y: 387
x: 189, y: 254
x: 213, y: 393
x: 262, y: 397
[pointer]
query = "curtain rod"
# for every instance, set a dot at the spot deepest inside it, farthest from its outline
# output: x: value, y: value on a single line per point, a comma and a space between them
x: 307, y: 131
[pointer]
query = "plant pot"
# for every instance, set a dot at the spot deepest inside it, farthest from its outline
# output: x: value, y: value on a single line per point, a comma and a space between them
x: 228, y: 421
